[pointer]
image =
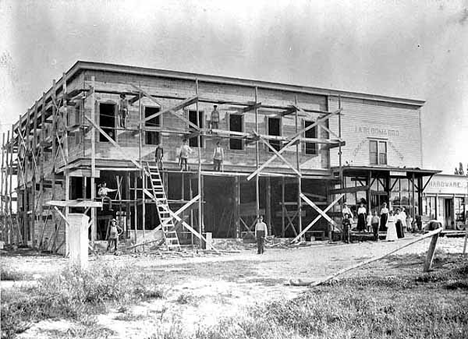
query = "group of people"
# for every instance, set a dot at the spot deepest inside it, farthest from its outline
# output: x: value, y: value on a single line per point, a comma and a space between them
x: 184, y: 153
x: 395, y: 223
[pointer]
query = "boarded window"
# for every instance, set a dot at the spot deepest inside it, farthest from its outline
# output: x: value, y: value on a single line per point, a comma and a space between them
x: 152, y: 136
x: 107, y: 121
x: 236, y: 124
x: 274, y: 129
x: 198, y: 121
x: 310, y: 147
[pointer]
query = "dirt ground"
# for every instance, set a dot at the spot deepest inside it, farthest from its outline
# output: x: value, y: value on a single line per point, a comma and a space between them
x: 201, y: 289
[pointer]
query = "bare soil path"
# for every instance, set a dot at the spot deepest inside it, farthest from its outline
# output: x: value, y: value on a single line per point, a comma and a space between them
x: 202, y: 289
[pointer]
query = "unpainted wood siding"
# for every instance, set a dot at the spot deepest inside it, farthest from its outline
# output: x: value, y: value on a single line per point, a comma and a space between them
x: 362, y: 121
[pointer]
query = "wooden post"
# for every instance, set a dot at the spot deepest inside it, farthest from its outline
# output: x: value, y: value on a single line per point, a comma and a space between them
x: 135, y: 219
x: 431, y: 252
x: 10, y: 193
x: 299, y: 181
x: 67, y: 212
x: 466, y: 240
x: 142, y: 170
x: 127, y: 204
x: 237, y: 201
x: 283, y: 230
x: 34, y: 179
x: 2, y: 210
x: 93, y: 162
x: 6, y: 191
x: 257, y: 160
x: 268, y: 205
x: 201, y: 225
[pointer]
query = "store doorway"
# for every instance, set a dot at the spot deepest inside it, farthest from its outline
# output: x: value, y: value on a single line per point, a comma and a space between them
x: 448, y: 213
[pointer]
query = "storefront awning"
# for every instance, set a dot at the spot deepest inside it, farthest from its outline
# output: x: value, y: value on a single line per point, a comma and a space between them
x: 385, y: 171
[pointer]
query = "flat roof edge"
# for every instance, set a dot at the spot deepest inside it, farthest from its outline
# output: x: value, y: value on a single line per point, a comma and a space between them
x: 89, y: 65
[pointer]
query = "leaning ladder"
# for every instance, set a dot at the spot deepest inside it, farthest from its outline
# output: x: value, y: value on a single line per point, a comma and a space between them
x: 159, y: 197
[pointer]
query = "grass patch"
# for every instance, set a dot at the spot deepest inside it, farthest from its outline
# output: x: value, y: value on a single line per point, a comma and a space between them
x: 11, y: 274
x: 74, y: 293
x: 433, y: 305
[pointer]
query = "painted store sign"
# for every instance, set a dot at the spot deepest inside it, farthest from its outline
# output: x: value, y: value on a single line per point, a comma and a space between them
x: 447, y: 184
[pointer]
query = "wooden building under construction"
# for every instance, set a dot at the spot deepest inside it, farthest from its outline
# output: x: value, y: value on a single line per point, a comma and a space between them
x: 291, y: 153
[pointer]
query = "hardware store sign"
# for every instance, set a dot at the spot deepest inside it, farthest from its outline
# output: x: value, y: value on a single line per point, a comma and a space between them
x: 447, y: 185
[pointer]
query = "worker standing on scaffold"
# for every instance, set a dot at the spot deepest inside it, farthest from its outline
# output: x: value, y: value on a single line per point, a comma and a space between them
x: 215, y: 118
x: 123, y: 111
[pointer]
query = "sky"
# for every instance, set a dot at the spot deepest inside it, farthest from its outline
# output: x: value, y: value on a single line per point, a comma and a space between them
x: 403, y: 48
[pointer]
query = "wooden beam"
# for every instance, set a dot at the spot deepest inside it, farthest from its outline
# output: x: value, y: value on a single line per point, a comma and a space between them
x: 317, y: 218
x: 280, y: 156
x: 349, y: 189
x: 251, y: 107
x: 293, y: 140
x: 183, y: 104
x: 112, y: 141
x: 314, y: 206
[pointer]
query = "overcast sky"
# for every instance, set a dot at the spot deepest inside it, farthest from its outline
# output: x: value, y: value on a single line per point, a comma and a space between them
x: 411, y: 49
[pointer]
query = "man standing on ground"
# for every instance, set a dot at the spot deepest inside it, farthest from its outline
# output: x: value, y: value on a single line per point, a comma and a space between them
x: 113, y: 232
x: 261, y: 232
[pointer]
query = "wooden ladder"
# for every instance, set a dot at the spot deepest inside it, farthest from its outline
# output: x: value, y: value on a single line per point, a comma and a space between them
x: 159, y: 197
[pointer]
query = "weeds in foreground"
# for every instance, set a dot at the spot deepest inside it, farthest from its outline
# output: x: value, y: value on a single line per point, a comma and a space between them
x: 369, y: 307
x: 8, y: 273
x: 72, y: 294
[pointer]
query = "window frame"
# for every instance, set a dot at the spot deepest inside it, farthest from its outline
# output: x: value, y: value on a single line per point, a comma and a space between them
x: 375, y: 158
x: 316, y: 145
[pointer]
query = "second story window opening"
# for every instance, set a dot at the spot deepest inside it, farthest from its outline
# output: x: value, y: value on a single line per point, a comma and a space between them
x: 236, y: 124
x: 274, y: 129
x: 152, y: 136
x: 310, y: 147
x: 193, y: 142
x: 107, y: 120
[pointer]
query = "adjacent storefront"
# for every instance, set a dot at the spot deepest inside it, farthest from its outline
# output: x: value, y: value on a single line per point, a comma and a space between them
x: 445, y: 199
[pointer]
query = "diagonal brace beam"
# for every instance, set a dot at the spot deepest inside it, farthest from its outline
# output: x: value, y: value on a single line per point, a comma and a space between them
x: 183, y: 104
x: 112, y: 141
x: 317, y: 218
x: 279, y: 155
x: 296, y: 137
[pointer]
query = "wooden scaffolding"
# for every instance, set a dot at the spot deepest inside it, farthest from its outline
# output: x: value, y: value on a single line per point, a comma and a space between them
x: 36, y: 152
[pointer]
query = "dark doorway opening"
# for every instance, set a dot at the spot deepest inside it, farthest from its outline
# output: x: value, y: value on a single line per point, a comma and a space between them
x: 219, y: 214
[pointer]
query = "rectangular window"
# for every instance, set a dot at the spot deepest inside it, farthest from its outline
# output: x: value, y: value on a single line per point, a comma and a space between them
x: 107, y: 121
x: 151, y: 136
x: 236, y: 124
x: 378, y: 152
x: 198, y: 121
x: 274, y: 129
x: 310, y: 147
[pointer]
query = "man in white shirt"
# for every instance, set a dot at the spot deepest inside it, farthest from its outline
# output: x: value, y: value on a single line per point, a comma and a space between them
x: 102, y: 193
x: 261, y: 231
